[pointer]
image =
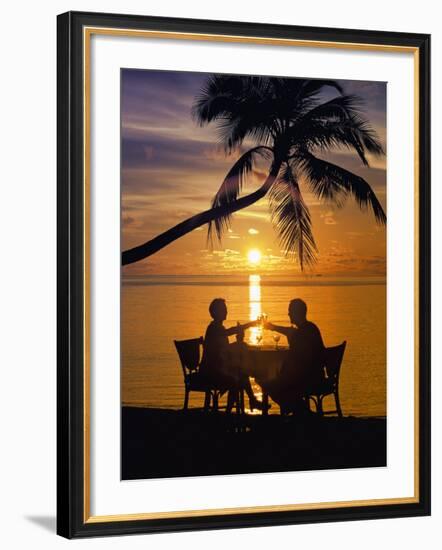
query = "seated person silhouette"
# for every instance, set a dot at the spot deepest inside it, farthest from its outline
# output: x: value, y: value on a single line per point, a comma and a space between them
x: 303, y: 367
x: 216, y: 363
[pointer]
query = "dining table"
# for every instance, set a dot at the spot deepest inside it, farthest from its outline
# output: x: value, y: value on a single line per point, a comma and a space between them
x: 264, y: 364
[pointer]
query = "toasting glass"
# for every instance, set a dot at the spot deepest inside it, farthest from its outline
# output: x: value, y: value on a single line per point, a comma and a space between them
x: 277, y: 338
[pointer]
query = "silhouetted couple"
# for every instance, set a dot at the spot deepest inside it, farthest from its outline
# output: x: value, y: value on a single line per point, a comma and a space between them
x: 219, y: 364
x: 303, y: 367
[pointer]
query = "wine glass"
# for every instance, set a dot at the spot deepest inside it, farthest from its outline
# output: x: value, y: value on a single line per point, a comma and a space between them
x: 259, y: 338
x: 277, y: 338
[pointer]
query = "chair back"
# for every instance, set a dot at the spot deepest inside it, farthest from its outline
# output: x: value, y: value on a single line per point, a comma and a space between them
x: 189, y: 354
x: 333, y: 360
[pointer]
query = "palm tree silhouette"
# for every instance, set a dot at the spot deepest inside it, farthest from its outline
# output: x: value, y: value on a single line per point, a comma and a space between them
x: 287, y: 122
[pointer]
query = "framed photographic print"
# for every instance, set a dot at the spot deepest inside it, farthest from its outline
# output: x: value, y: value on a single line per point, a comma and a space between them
x: 243, y: 274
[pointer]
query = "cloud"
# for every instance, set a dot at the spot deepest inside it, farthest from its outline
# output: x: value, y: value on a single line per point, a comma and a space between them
x: 328, y: 218
x: 253, y: 231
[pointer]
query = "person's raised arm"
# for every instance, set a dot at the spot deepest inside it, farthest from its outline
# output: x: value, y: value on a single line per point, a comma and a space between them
x: 278, y: 328
x: 238, y: 328
x: 245, y: 326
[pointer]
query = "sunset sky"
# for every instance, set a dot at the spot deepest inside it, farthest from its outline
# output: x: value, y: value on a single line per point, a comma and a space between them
x: 171, y: 169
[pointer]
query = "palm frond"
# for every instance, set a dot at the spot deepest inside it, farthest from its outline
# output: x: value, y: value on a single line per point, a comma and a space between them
x: 291, y: 218
x: 240, y: 107
x: 314, y: 86
x: 217, y: 98
x: 234, y: 130
x: 338, y: 109
x: 331, y: 182
x: 335, y: 124
x: 293, y: 97
x: 231, y: 188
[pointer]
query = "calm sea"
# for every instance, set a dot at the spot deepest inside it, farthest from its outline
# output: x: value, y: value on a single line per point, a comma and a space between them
x: 158, y: 309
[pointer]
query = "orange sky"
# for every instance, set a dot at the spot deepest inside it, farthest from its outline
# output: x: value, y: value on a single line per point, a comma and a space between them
x: 171, y: 169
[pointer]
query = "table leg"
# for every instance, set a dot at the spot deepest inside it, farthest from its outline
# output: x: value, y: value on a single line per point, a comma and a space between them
x: 265, y: 403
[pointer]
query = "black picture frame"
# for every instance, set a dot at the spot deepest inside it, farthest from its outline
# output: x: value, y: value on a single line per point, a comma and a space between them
x: 72, y: 517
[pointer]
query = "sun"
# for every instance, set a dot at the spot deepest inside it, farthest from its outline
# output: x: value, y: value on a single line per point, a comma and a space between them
x: 254, y: 256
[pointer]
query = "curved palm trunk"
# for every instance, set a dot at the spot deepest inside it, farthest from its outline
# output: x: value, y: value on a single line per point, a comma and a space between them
x: 160, y: 241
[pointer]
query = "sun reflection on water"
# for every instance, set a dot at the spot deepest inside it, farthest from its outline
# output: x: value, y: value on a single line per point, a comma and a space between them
x: 255, y: 334
x: 255, y: 309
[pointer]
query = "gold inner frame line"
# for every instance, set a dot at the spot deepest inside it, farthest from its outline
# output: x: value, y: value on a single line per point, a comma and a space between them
x: 87, y: 34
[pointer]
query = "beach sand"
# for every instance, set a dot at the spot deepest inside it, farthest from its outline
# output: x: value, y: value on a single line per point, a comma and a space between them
x: 158, y: 443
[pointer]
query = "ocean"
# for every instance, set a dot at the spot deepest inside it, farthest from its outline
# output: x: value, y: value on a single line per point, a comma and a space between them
x: 157, y: 309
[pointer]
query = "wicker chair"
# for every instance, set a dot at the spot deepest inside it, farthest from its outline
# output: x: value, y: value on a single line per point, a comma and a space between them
x: 189, y: 352
x: 330, y: 385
